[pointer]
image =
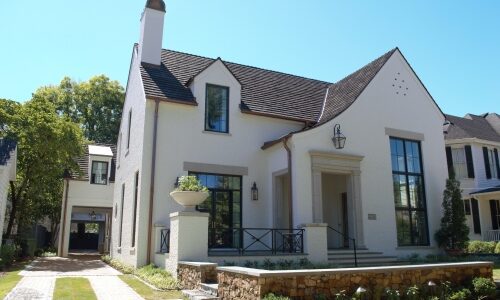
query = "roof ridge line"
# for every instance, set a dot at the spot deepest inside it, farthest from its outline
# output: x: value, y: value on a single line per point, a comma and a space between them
x: 249, y: 66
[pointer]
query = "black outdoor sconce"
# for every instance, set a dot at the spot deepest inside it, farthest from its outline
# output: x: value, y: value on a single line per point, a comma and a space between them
x: 255, y: 192
x: 338, y: 138
x: 93, y: 215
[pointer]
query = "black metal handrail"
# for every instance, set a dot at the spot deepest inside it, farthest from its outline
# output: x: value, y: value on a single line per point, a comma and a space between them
x: 165, y: 240
x: 353, y: 244
x: 248, y: 240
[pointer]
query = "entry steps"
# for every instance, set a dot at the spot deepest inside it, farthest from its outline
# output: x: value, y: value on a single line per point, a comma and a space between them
x: 345, y: 258
x: 206, y: 291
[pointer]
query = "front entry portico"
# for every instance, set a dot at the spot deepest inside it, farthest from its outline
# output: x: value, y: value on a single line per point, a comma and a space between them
x: 341, y: 173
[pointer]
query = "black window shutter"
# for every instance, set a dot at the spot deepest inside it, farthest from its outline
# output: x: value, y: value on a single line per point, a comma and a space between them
x: 449, y: 160
x: 475, y: 216
x: 470, y: 163
x: 494, y: 216
x: 486, y: 163
x: 497, y: 162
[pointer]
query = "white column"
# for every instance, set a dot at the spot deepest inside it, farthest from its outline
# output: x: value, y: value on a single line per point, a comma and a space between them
x: 317, y: 202
x: 358, y: 208
x: 188, y: 239
x: 315, y: 242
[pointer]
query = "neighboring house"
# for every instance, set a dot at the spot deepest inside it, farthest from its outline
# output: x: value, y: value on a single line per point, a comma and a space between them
x: 8, y: 161
x: 472, y: 146
x: 244, y: 130
x: 87, y: 203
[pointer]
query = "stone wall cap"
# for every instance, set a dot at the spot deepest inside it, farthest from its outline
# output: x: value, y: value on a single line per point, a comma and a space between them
x: 309, y: 272
x: 314, y: 225
x: 197, y: 264
x: 189, y: 214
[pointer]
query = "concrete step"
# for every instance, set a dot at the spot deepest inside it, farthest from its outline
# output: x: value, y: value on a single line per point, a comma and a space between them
x: 209, y: 288
x: 198, y: 295
x: 363, y: 254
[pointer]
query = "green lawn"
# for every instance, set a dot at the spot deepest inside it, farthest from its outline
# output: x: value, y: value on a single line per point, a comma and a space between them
x: 73, y: 288
x: 496, y: 274
x: 148, y: 293
x: 9, y: 280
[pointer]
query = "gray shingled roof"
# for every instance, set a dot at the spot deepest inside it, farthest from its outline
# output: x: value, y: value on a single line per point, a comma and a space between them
x: 263, y: 91
x: 473, y: 127
x: 6, y: 148
x: 488, y: 190
x: 83, y: 164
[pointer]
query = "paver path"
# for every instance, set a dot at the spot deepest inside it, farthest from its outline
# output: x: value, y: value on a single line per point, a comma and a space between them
x: 40, y: 276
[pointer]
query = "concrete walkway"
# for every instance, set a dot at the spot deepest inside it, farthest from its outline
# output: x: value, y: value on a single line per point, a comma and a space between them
x: 39, y: 278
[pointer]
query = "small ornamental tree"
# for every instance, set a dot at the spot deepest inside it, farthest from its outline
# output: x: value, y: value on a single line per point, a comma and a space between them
x: 454, y: 233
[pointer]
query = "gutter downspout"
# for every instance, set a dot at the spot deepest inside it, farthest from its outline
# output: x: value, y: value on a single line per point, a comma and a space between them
x: 63, y: 227
x: 290, y: 197
x: 152, y: 185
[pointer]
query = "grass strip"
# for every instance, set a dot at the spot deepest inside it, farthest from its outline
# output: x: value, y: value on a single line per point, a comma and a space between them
x: 73, y: 288
x: 496, y: 274
x: 147, y: 292
x: 10, y: 278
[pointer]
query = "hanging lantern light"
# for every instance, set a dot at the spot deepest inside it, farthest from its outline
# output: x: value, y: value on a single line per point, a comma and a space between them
x: 255, y: 192
x: 338, y: 138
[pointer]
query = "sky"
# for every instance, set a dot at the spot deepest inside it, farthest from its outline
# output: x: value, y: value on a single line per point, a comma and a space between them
x: 454, y: 46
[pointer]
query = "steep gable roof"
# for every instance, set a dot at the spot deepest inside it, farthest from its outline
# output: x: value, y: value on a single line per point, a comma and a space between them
x: 472, y: 126
x: 263, y: 92
x: 344, y: 92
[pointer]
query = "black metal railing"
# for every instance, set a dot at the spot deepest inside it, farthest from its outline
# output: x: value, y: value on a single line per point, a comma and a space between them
x: 165, y: 240
x: 348, y: 238
x: 257, y: 240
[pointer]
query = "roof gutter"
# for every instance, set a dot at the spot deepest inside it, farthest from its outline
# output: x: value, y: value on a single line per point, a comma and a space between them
x: 290, y: 197
x: 152, y: 184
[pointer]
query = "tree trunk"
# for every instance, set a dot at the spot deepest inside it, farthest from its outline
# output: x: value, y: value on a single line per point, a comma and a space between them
x: 13, y: 210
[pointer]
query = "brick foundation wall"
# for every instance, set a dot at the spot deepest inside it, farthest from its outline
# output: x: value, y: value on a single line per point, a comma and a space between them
x: 245, y: 283
x: 191, y: 274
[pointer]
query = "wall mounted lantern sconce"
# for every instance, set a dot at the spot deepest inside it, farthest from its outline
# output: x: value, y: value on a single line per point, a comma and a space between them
x: 338, y: 138
x: 255, y: 192
x: 93, y: 216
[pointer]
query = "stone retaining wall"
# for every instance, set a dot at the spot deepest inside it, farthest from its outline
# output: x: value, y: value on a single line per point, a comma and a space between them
x: 191, y: 274
x: 246, y: 283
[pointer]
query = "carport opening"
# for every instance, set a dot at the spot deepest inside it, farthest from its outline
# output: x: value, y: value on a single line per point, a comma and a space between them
x: 85, y: 236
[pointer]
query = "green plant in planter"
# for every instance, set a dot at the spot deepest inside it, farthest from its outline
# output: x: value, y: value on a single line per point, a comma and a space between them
x: 484, y: 287
x: 454, y: 233
x: 190, y: 184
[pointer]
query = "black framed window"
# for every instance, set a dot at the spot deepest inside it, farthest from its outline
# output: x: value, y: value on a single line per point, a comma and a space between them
x: 134, y: 219
x: 99, y: 172
x: 467, y: 207
x: 224, y: 207
x: 121, y: 216
x: 409, y: 192
x: 217, y: 108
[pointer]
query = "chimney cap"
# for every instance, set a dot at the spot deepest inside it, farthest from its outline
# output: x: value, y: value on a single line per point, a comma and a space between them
x: 156, y: 4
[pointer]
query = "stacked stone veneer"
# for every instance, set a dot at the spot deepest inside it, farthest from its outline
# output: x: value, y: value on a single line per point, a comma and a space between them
x: 191, y: 274
x: 245, y: 283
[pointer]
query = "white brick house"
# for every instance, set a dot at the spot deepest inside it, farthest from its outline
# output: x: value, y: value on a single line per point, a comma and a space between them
x: 236, y: 127
x: 472, y: 146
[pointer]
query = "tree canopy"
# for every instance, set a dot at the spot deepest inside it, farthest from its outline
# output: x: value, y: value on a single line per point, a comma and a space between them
x: 95, y: 104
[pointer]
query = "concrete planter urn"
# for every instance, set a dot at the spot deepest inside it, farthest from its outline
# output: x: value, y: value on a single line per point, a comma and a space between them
x: 189, y: 199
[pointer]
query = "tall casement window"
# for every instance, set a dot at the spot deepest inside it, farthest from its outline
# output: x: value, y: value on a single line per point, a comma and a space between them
x: 99, y: 172
x: 495, y: 214
x: 217, y: 108
x: 224, y: 207
x: 121, y: 216
x: 409, y: 192
x: 129, y: 126
x: 134, y: 217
